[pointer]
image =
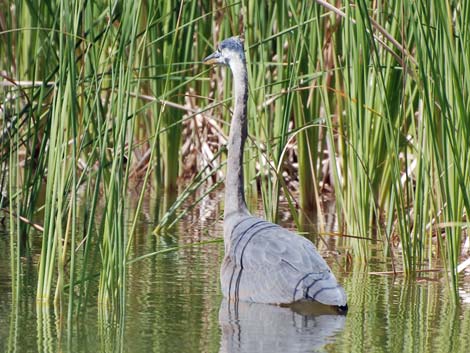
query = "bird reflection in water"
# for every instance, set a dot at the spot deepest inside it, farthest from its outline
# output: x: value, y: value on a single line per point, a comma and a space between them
x: 253, y: 327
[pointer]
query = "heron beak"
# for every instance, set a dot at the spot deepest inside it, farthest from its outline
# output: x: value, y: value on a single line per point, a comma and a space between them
x: 214, y: 58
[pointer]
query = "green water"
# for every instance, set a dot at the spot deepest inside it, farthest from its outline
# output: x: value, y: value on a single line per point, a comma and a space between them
x: 173, y: 304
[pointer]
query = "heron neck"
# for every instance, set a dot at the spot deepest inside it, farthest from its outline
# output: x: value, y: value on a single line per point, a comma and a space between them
x: 234, y: 184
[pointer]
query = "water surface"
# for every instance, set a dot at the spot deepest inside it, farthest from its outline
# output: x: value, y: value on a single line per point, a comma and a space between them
x: 173, y: 304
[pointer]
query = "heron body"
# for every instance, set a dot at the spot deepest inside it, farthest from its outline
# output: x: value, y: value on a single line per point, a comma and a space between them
x: 263, y: 262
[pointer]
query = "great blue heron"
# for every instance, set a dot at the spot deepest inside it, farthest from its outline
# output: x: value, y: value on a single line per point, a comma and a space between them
x: 263, y: 262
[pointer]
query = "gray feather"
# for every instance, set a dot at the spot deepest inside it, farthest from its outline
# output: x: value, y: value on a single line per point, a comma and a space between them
x: 266, y: 263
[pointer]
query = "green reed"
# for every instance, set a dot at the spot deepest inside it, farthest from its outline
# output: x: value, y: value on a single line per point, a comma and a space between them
x: 370, y: 102
x: 74, y: 131
x: 444, y: 55
x: 403, y: 131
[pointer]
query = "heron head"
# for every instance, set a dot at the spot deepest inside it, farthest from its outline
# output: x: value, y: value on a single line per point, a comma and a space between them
x: 228, y: 51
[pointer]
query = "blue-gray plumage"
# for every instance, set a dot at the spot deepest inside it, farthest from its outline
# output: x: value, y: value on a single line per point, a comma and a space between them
x: 263, y: 262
